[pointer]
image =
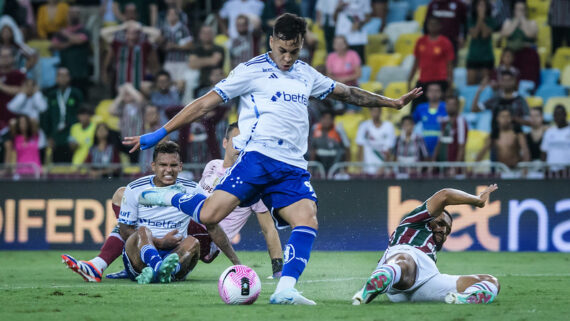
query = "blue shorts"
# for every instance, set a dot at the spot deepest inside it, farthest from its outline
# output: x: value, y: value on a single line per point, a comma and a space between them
x: 129, y: 267
x: 255, y: 176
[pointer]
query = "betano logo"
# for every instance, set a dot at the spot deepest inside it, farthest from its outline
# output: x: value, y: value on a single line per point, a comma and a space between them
x: 296, y: 98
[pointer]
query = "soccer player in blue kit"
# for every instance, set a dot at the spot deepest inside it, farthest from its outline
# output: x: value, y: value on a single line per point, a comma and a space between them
x: 274, y: 90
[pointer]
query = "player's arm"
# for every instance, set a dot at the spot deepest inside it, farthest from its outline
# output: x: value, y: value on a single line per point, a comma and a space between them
x: 221, y: 240
x: 270, y: 233
x: 450, y: 196
x: 187, y: 115
x: 360, y: 97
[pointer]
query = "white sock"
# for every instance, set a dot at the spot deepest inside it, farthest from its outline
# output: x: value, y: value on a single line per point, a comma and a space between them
x: 285, y: 282
x: 393, y: 269
x: 99, y: 263
x: 483, y: 285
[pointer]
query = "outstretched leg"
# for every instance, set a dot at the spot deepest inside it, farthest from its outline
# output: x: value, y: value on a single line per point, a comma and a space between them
x: 474, y: 289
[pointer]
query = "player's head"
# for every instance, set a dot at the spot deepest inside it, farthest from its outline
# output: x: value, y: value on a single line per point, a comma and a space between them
x: 166, y: 163
x: 433, y: 92
x: 287, y: 40
x: 536, y: 117
x: 560, y: 115
x: 407, y: 124
x: 231, y: 132
x: 452, y: 105
x: 441, y: 228
x: 376, y: 113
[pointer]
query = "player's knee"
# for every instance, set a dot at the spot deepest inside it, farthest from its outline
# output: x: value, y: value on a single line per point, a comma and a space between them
x: 490, y: 278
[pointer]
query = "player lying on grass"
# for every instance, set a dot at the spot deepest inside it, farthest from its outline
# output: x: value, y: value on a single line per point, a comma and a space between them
x: 407, y: 270
x: 274, y: 90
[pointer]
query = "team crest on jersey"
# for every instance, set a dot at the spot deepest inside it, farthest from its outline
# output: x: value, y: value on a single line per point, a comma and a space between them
x: 288, y: 254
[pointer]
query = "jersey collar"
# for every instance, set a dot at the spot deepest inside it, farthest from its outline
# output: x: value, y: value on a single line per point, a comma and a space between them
x: 271, y: 62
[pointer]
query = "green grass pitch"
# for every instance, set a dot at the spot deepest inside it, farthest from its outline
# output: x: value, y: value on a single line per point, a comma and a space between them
x: 37, y: 286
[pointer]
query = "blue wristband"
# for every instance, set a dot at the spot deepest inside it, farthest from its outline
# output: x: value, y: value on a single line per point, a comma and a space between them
x: 149, y: 140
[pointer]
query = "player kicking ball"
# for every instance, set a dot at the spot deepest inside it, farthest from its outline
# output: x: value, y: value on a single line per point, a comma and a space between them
x: 274, y: 90
x: 407, y: 270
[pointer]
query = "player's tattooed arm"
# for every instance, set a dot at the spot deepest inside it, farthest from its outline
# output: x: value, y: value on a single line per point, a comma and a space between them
x: 221, y: 240
x: 360, y: 97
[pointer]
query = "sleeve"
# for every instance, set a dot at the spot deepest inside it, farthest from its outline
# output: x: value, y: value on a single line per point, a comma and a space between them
x: 73, y: 134
x: 129, y: 208
x: 360, y: 135
x: 545, y: 141
x: 259, y: 207
x: 419, y: 215
x: 236, y: 84
x: 16, y: 103
x: 322, y: 85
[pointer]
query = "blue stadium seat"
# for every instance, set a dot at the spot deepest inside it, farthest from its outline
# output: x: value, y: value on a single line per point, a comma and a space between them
x: 546, y: 91
x: 398, y: 11
x: 414, y: 4
x: 526, y: 87
x: 373, y: 26
x: 460, y: 77
x: 549, y: 76
x: 468, y: 93
x: 365, y: 72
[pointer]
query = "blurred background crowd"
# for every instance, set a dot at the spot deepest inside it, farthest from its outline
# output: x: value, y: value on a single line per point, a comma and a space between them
x: 77, y: 76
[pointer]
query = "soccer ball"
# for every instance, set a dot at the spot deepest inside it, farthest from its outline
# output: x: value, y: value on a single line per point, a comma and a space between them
x: 239, y: 284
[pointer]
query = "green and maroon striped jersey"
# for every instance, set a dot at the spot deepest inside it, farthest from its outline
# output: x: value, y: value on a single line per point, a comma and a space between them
x: 414, y: 231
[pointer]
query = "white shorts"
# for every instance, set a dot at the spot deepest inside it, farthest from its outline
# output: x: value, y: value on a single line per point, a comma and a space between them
x: 430, y: 285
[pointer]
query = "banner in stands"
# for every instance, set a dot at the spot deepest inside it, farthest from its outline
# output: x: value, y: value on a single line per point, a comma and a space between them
x: 523, y: 215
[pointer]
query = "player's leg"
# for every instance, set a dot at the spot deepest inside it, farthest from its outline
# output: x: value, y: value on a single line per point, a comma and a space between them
x: 398, y: 271
x: 273, y: 242
x: 208, y: 250
x: 189, y: 252
x: 144, y: 260
x: 472, y: 289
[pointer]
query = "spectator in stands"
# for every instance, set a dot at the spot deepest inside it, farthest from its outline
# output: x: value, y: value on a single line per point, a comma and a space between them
x: 508, y: 97
x: 81, y: 136
x: 351, y: 16
x: 119, y: 32
x: 380, y: 10
x: 131, y: 59
x: 63, y: 103
x: 10, y: 81
x: 329, y: 143
x: 429, y: 116
x: 451, y: 143
x: 326, y: 17
x: 434, y: 58
x: 233, y: 9
x: 176, y: 44
x: 410, y: 146
x: 128, y: 105
x: 206, y: 56
x: 452, y: 15
x: 246, y: 44
x: 103, y: 154
x: 506, y: 64
x: 72, y: 42
x: 559, y: 23
x: 25, y: 58
x: 146, y: 11
x: 506, y: 142
x: 375, y: 139
x: 555, y: 145
x: 165, y: 94
x: 26, y: 152
x: 537, y: 130
x: 163, y: 13
x: 52, y: 17
x: 480, y: 58
x: 343, y: 64
x: 151, y: 123
x: 521, y: 33
x: 272, y: 10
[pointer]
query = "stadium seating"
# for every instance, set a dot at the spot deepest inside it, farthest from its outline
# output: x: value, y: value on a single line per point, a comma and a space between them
x: 102, y: 110
x: 406, y: 43
x: 41, y: 46
x: 460, y: 77
x: 390, y: 74
x: 420, y: 15
x: 468, y: 93
x: 565, y: 80
x: 398, y: 11
x: 372, y: 86
x: 534, y: 101
x: 552, y: 102
x: 221, y: 40
x: 365, y: 72
x: 526, y: 88
x: 395, y: 116
x: 350, y: 123
x: 561, y: 58
x: 543, y: 55
x: 547, y: 91
x: 377, y: 61
x: 395, y: 29
x: 396, y: 89
x: 544, y: 38
x: 497, y: 52
x: 538, y: 8
x: 319, y: 57
x: 408, y: 63
x: 373, y: 26
x: 475, y: 142
x: 549, y: 76
x: 378, y: 43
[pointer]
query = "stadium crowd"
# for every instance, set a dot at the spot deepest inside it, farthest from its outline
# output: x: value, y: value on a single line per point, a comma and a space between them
x: 77, y: 76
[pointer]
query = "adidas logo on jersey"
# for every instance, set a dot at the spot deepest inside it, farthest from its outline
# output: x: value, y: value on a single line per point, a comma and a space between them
x: 273, y: 76
x: 296, y: 98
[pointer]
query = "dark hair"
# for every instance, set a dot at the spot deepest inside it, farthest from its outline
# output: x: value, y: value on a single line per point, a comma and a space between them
x: 84, y: 110
x: 474, y: 5
x: 538, y: 109
x: 289, y: 26
x: 407, y: 118
x: 167, y: 147
x: 163, y: 73
x: 514, y: 4
x: 560, y: 106
x: 452, y: 97
x: 450, y: 220
x: 96, y: 139
x: 327, y: 111
x: 494, y: 126
x: 29, y: 131
x: 230, y: 128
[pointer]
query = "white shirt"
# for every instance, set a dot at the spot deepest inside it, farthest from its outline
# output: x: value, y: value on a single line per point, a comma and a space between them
x: 355, y: 9
x: 274, y: 119
x: 233, y: 8
x: 31, y: 106
x: 375, y: 141
x: 159, y: 219
x: 556, y: 145
x: 327, y: 9
x: 234, y: 222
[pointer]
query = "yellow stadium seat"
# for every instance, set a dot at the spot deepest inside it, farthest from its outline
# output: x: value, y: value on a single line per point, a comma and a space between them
x: 561, y: 58
x: 102, y: 110
x: 462, y: 56
x: 41, y: 46
x: 534, y: 101
x: 420, y: 14
x: 319, y: 57
x: 544, y: 56
x: 377, y: 43
x: 406, y: 43
x: 475, y: 143
x: 221, y: 40
x: 372, y: 86
x: 497, y: 38
x: 377, y: 61
x: 396, y: 89
x: 320, y: 34
x: 544, y: 38
x: 233, y: 116
x: 497, y: 52
x: 395, y: 116
x: 538, y: 8
x: 350, y: 123
x: 552, y: 102
x: 565, y: 77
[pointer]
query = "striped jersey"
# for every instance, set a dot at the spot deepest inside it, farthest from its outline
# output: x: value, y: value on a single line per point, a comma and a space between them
x: 159, y: 219
x: 414, y: 231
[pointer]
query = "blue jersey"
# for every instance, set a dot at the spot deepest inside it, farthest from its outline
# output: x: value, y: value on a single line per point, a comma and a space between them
x: 274, y: 118
x: 430, y: 121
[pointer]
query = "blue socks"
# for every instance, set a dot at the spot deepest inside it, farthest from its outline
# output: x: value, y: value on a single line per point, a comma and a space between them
x: 189, y: 204
x: 150, y: 256
x: 296, y: 256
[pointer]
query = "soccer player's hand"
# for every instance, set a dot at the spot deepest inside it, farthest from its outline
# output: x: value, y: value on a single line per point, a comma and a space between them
x: 484, y: 196
x: 170, y: 240
x: 145, y: 141
x: 407, y: 98
x: 132, y: 141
